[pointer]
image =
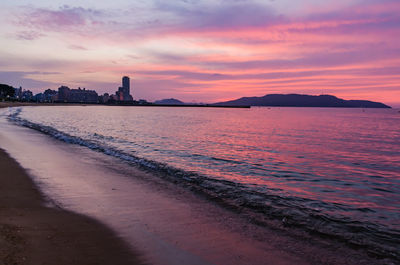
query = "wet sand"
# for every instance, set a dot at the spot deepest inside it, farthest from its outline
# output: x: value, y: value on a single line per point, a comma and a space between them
x: 165, y: 223
x: 6, y: 104
x: 31, y: 233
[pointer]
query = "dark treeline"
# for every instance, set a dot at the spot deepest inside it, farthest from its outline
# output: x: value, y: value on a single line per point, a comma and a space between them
x: 6, y: 92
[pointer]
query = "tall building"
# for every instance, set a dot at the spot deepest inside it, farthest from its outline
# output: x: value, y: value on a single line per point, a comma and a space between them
x: 126, y: 85
x: 124, y: 93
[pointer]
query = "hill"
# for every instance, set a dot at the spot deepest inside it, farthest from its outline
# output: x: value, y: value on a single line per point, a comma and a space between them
x: 169, y: 101
x: 296, y: 100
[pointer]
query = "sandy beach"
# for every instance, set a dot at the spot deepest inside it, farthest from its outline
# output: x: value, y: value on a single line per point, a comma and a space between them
x: 6, y: 104
x: 31, y: 233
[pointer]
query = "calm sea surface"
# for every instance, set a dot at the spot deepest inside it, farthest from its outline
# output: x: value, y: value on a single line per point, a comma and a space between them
x: 335, y: 171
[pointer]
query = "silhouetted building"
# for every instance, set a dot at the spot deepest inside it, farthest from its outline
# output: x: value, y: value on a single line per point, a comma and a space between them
x: 123, y: 93
x: 65, y: 94
x: 104, y: 98
x: 126, y: 84
x: 49, y: 95
x: 27, y: 95
x: 18, y: 93
x: 38, y: 97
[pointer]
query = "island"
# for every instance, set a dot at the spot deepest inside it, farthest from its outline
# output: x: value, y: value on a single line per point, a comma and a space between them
x: 298, y: 100
x: 169, y: 101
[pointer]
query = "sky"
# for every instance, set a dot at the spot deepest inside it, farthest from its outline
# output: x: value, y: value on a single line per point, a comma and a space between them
x: 204, y: 50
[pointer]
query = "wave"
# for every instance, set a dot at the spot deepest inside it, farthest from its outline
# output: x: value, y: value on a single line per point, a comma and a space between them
x: 281, y: 212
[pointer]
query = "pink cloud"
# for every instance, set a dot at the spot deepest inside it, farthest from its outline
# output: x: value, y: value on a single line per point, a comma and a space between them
x: 241, y: 47
x: 77, y: 47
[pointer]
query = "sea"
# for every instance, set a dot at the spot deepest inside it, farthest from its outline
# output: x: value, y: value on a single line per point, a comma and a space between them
x: 331, y: 172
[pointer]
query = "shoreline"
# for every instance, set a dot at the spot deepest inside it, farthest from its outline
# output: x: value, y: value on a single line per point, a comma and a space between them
x: 31, y: 233
x: 120, y: 104
x: 5, y: 104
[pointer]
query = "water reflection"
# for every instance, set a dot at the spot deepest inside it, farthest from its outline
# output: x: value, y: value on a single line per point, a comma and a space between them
x: 339, y: 157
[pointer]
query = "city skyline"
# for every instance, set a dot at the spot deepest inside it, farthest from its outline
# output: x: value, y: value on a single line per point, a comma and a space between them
x: 205, y: 51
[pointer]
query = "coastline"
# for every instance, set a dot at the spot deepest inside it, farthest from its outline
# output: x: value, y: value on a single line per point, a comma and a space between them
x: 31, y: 233
x: 7, y: 104
x: 120, y: 104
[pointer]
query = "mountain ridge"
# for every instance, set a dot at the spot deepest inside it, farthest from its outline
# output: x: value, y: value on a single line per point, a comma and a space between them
x: 301, y: 100
x: 169, y: 101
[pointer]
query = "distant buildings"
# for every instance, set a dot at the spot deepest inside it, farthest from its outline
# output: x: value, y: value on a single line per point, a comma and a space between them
x: 104, y: 98
x: 47, y: 96
x: 65, y: 94
x: 23, y: 95
x: 68, y: 95
x: 27, y: 95
x: 18, y: 93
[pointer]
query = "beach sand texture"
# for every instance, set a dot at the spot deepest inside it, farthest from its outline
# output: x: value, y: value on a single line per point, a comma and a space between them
x: 31, y: 233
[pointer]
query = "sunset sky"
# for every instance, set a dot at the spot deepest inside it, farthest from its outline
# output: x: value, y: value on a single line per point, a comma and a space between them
x: 205, y: 50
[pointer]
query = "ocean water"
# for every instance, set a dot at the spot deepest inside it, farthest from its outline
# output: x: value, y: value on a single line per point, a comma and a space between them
x: 332, y: 172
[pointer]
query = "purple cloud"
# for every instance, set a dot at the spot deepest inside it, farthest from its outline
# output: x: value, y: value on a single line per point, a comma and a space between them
x: 29, y: 35
x: 18, y: 79
x: 194, y: 16
x: 77, y: 47
x: 65, y: 17
x: 228, y: 14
